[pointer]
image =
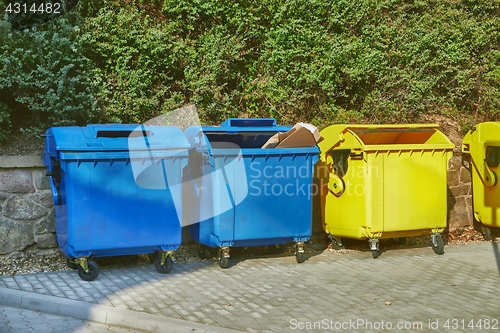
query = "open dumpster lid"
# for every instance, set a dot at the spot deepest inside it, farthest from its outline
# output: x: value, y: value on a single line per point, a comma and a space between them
x: 114, y: 137
x: 378, y: 137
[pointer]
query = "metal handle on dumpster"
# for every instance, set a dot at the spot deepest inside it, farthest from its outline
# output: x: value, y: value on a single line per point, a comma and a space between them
x: 55, y: 192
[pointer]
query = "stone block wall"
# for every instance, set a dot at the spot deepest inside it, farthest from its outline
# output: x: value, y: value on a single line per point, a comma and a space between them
x: 27, y: 219
x: 459, y: 193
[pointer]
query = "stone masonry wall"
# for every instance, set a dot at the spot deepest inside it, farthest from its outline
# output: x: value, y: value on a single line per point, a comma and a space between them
x: 459, y: 193
x: 27, y: 219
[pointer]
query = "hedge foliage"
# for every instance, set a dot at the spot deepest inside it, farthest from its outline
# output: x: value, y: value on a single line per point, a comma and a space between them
x: 315, y: 61
x: 44, y: 74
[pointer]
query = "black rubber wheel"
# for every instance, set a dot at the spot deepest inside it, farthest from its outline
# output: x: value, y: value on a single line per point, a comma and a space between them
x: 487, y: 234
x: 439, y: 248
x: 93, y: 271
x: 375, y: 254
x: 334, y: 242
x: 299, y: 256
x: 165, y: 268
x: 277, y: 248
x: 223, y: 261
x: 71, y: 263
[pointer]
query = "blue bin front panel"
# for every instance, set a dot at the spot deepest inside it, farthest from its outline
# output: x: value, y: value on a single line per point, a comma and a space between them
x: 277, y: 198
x: 105, y: 213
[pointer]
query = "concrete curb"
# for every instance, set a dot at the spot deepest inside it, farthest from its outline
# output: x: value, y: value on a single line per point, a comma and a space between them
x: 102, y: 314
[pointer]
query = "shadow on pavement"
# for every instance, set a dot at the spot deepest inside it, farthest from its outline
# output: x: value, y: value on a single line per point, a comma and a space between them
x: 132, y: 283
x: 496, y: 251
x: 242, y: 254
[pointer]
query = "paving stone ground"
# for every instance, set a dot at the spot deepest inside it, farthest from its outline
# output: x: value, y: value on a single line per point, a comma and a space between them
x: 407, y: 290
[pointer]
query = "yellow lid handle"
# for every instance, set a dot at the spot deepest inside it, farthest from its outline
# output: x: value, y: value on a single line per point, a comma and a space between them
x: 336, y: 185
x: 489, y: 177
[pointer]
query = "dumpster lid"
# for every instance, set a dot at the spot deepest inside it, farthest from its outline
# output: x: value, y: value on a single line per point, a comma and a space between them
x: 235, y: 132
x: 394, y: 137
x: 238, y: 125
x: 483, y: 133
x: 249, y: 122
x: 115, y: 137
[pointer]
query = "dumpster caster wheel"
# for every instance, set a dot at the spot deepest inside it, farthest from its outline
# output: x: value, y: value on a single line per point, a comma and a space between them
x: 223, y: 257
x: 300, y: 257
x: 374, y: 242
x: 93, y: 272
x: 299, y: 253
x: 437, y: 244
x: 335, y: 242
x: 277, y: 248
x: 71, y: 263
x: 166, y: 267
x: 487, y: 234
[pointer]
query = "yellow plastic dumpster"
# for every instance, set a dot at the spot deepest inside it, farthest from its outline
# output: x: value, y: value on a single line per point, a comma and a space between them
x: 384, y: 181
x: 482, y: 145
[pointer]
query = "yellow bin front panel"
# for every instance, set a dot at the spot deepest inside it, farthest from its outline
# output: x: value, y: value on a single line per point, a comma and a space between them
x: 485, y: 193
x: 389, y: 191
x: 346, y: 215
x: 415, y: 195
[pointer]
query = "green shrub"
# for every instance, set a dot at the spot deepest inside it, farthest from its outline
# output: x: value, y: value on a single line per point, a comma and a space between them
x: 135, y: 64
x: 317, y: 61
x: 43, y: 69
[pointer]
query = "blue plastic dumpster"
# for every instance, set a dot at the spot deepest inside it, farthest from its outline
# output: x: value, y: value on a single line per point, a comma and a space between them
x: 245, y: 195
x: 117, y: 191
